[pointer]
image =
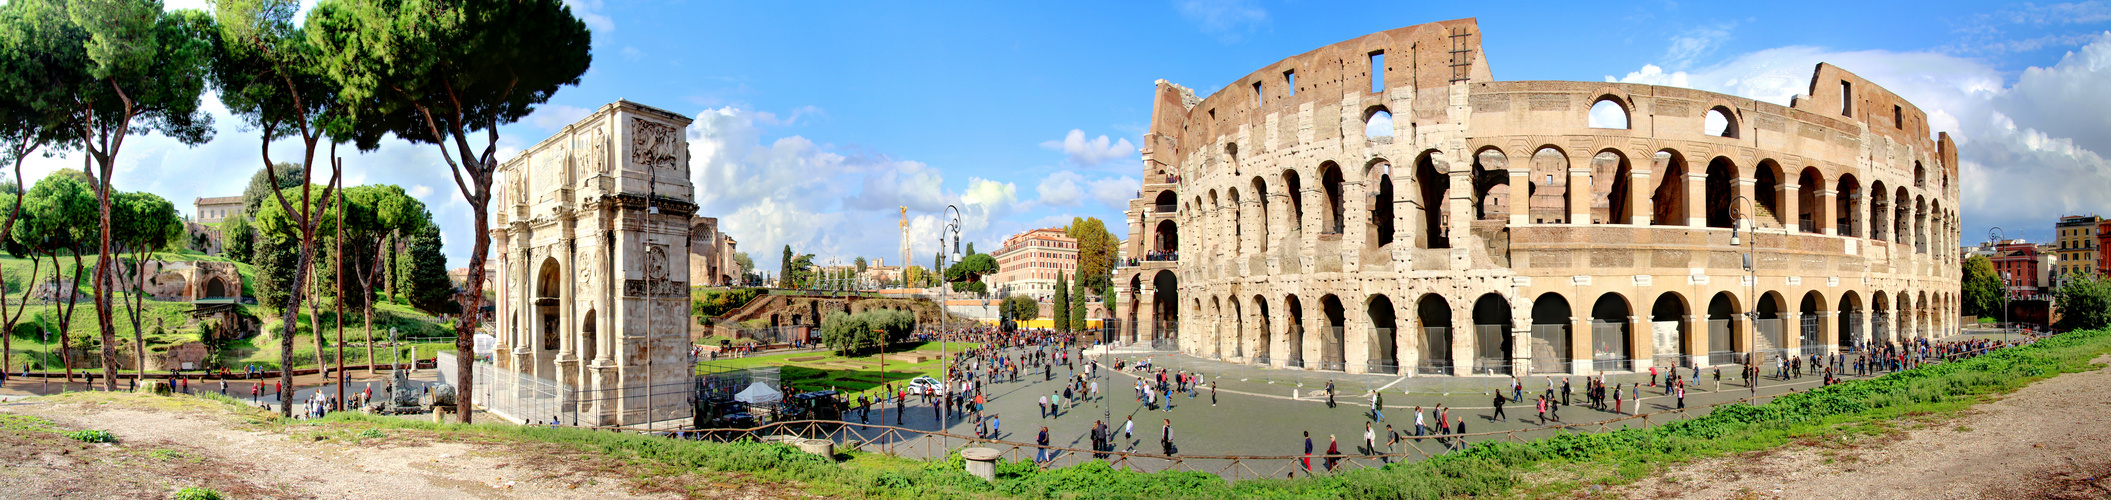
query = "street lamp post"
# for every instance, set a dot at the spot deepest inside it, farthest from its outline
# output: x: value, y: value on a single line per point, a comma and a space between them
x: 1994, y: 235
x: 1737, y: 222
x: 951, y: 217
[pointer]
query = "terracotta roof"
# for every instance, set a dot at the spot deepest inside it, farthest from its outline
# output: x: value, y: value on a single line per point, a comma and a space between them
x: 219, y: 200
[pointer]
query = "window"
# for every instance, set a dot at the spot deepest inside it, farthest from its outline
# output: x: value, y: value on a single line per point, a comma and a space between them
x: 1256, y: 94
x: 1290, y: 81
x: 1846, y: 98
x: 1378, y: 71
x: 1898, y: 116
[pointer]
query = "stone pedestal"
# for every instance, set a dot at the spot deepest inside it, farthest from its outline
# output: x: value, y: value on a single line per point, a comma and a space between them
x: 981, y: 462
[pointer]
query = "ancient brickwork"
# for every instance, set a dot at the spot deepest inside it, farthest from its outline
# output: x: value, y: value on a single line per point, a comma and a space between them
x: 1531, y: 226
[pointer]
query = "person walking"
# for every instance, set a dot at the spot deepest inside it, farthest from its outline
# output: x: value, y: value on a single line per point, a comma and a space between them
x: 1616, y: 399
x: 1128, y: 428
x: 1212, y: 393
x: 1043, y: 402
x: 1564, y: 391
x: 1517, y: 389
x: 1718, y: 379
x: 1499, y: 406
x: 1308, y: 452
x: 1420, y: 428
x: 1554, y: 409
x: 1378, y: 406
x: 1392, y: 443
x: 1542, y: 405
x: 1333, y: 452
x: 1682, y: 397
x: 1370, y: 439
x: 1165, y: 437
x: 1041, y: 455
x: 1330, y: 393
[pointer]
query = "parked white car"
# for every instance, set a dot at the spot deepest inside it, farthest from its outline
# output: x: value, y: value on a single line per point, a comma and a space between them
x: 926, y: 385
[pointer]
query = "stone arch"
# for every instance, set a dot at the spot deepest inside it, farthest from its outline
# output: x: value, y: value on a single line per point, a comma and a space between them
x: 1610, y: 200
x: 1293, y: 190
x: 1491, y: 330
x: 1724, y: 331
x: 1260, y: 197
x: 1216, y: 327
x: 1331, y: 191
x: 1165, y: 307
x: 1491, y: 184
x: 1809, y: 213
x: 1850, y: 333
x: 1879, y: 211
x: 1920, y: 224
x: 1902, y: 218
x: 1809, y: 334
x: 1668, y: 203
x: 1332, y: 351
x: 1433, y: 182
x: 215, y: 288
x: 1551, y: 319
x: 1667, y: 319
x: 1848, y: 192
x: 1379, y: 225
x: 1384, y: 340
x: 1721, y: 192
x: 1720, y: 116
x: 1264, y: 341
x: 1920, y: 175
x: 1165, y: 239
x: 1550, y: 190
x: 1767, y: 330
x: 549, y: 286
x: 1166, y: 200
x: 1879, y: 317
x: 1609, y: 111
x: 1611, y: 345
x: 1434, y: 314
x: 587, y: 340
x: 1766, y: 189
x: 1377, y: 122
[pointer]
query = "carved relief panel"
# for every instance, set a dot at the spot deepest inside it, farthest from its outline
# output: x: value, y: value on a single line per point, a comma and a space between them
x: 653, y: 144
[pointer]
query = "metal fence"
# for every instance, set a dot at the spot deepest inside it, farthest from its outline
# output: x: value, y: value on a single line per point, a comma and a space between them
x: 525, y: 398
x: 1550, y: 348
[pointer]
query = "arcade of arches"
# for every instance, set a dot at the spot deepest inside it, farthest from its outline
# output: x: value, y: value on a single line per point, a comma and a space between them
x: 1701, y: 230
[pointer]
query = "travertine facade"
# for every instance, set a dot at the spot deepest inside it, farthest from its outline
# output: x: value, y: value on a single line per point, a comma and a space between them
x: 1524, y: 230
x: 594, y: 228
x: 711, y: 253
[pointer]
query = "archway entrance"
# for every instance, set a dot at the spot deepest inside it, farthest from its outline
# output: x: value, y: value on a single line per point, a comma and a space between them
x: 1331, y: 353
x: 1722, y: 328
x: 1384, y: 342
x: 1667, y: 324
x: 1810, y: 340
x: 1850, y: 333
x: 1165, y: 310
x: 1294, y: 338
x: 1435, y: 317
x: 1610, y: 350
x: 547, y: 289
x: 1769, y: 334
x: 1263, y: 346
x: 215, y: 288
x: 1550, y: 334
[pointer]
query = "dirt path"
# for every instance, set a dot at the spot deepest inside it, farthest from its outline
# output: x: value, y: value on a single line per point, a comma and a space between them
x: 164, y: 446
x: 2048, y: 440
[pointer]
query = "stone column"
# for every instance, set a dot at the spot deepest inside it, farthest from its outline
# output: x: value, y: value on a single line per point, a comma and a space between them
x: 1520, y: 341
x: 1641, y: 342
x: 1791, y: 331
x: 1579, y: 191
x: 1791, y: 207
x: 1828, y: 200
x: 1696, y: 199
x: 1749, y: 207
x: 1407, y: 337
x: 1639, y: 209
x: 1520, y: 201
x: 1827, y: 335
x: 1356, y: 332
x: 1580, y: 345
x: 1463, y: 341
x: 1696, y: 340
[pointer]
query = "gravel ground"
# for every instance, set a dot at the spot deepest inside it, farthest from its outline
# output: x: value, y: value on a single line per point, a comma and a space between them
x: 2048, y: 440
x: 162, y: 447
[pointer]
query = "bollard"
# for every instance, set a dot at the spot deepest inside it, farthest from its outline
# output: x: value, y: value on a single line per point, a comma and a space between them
x: 981, y: 462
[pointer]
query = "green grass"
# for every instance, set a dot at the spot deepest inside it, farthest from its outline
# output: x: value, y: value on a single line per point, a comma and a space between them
x: 823, y: 370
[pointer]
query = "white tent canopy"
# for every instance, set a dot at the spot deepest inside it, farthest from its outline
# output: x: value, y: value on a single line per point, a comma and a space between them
x: 758, y: 394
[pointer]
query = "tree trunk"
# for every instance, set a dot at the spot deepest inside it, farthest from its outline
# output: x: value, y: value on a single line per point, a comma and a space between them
x: 472, y: 299
x: 338, y: 262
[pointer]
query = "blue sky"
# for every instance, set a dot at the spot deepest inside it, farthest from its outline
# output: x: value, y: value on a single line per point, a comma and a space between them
x: 815, y: 120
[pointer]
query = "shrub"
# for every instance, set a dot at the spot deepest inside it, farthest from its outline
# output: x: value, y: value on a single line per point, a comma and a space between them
x: 196, y: 493
x: 92, y: 436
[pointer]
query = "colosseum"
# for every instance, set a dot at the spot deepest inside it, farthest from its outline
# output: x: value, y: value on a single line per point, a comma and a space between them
x: 1656, y: 226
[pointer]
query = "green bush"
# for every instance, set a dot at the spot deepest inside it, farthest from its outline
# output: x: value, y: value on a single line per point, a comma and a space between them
x: 92, y: 436
x: 196, y: 493
x: 705, y: 304
x: 852, y: 333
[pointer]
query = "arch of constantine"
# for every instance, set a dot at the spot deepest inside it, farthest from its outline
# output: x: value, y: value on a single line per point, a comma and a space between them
x: 1384, y: 205
x: 593, y: 231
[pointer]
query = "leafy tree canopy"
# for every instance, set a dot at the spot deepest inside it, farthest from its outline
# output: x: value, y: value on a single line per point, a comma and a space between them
x: 1981, y: 287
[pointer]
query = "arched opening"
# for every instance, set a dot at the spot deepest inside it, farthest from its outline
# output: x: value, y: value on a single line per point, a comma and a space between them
x: 1377, y: 122
x: 1384, y: 339
x: 1236, y: 222
x: 1811, y: 340
x: 1902, y: 217
x: 1723, y: 328
x: 215, y: 288
x: 1920, y: 176
x: 1238, y: 328
x: 1435, y: 317
x: 587, y: 343
x: 1216, y: 327
x: 1879, y: 211
x: 1920, y: 225
x: 1849, y: 331
x: 1166, y: 202
x: 1721, y: 192
x: 1330, y: 189
x: 1810, y: 213
x: 1720, y: 122
x: 548, y: 286
x: 1491, y: 330
x: 1264, y: 338
x: 1849, y: 193
x: 1433, y: 183
x: 1294, y: 335
x: 1550, y: 334
x: 1668, y: 204
x: 1260, y: 197
x: 1608, y: 112
x: 1550, y: 187
x: 1611, y: 201
x: 1922, y: 317
x: 1165, y: 307
x: 1292, y: 189
x: 1332, y: 355
x: 1380, y: 223
x: 1667, y: 324
x: 1610, y: 349
x: 1766, y: 187
x: 1767, y: 327
x: 1165, y: 242
x: 1491, y: 185
x: 1135, y: 303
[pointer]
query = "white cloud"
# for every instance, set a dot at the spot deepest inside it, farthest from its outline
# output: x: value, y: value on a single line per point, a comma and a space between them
x: 1061, y: 189
x: 1116, y: 192
x: 632, y: 53
x: 1695, y: 43
x: 1090, y: 152
x: 1225, y: 19
x: 2029, y: 151
x: 586, y: 10
x: 419, y: 191
x: 552, y: 117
